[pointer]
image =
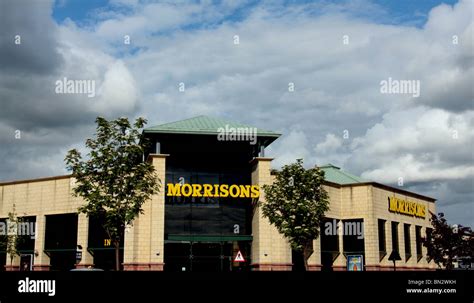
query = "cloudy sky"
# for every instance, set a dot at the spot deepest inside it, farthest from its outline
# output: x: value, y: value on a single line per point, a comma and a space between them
x: 237, y: 60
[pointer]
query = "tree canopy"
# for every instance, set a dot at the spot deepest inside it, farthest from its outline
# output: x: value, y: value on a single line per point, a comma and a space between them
x: 114, y: 179
x: 295, y: 204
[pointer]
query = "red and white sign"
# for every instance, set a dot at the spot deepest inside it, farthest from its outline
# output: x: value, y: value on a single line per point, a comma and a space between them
x: 239, y: 257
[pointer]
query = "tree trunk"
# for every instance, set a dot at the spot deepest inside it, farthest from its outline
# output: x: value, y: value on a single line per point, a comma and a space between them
x: 117, y: 255
x: 449, y: 264
x: 307, y: 252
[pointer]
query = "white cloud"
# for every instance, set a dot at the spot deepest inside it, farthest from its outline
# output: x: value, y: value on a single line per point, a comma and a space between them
x: 124, y: 2
x: 330, y: 145
x: 293, y: 145
x: 118, y: 91
x: 413, y: 170
x: 417, y: 144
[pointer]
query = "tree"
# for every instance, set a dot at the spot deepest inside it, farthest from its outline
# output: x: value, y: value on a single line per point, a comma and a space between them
x: 295, y: 205
x: 12, y: 236
x: 12, y: 241
x: 114, y: 179
x: 445, y: 244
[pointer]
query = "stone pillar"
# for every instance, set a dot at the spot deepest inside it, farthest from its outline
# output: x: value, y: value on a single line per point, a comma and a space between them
x: 413, y: 263
x: 401, y: 265
x: 14, y: 265
x: 386, y: 264
x: 41, y: 259
x: 270, y: 250
x: 371, y: 244
x: 314, y: 262
x: 144, y: 241
x: 371, y: 234
x: 82, y: 240
x: 340, y: 264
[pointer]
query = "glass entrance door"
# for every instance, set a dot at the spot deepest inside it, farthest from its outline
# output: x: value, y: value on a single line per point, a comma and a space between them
x: 206, y: 256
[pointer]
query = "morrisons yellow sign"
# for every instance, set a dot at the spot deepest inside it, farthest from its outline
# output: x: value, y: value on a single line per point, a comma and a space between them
x: 406, y: 207
x: 213, y: 190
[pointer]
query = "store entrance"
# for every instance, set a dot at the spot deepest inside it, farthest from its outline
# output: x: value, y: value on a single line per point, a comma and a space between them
x: 210, y: 257
x: 206, y: 256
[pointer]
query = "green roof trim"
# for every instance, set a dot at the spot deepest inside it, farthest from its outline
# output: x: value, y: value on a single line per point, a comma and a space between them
x: 203, y: 125
x: 334, y: 174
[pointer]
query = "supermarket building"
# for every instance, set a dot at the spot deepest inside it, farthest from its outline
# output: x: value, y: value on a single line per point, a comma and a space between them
x: 179, y: 232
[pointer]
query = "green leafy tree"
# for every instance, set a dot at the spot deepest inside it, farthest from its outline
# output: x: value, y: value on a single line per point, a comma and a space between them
x: 12, y: 236
x: 114, y: 179
x: 12, y: 241
x: 446, y: 244
x: 295, y: 204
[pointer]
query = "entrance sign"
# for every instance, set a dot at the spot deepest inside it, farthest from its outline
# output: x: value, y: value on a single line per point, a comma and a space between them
x: 355, y: 263
x: 239, y: 257
x: 213, y: 190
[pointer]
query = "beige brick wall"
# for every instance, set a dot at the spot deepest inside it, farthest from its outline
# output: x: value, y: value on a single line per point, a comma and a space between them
x: 380, y: 197
x: 54, y: 196
x: 144, y: 240
x: 370, y: 203
x: 270, y: 250
x: 39, y: 198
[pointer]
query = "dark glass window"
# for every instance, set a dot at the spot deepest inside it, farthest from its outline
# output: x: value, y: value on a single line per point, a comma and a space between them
x: 207, y: 215
x: 419, y: 252
x: 429, y: 232
x: 61, y: 232
x: 382, y: 244
x: 406, y: 234
x: 395, y: 236
x: 3, y: 246
x: 329, y: 244
x: 353, y: 237
x: 60, y: 241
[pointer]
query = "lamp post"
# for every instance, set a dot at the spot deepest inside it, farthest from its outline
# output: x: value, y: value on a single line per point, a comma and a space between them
x: 394, y: 256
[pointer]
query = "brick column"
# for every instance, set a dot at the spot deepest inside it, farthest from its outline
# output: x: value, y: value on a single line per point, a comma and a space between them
x: 401, y: 265
x: 413, y: 263
x: 41, y: 259
x: 13, y: 266
x: 270, y: 250
x: 371, y: 244
x: 387, y: 265
x: 314, y: 262
x: 340, y: 262
x: 371, y: 235
x: 144, y: 242
x: 82, y: 240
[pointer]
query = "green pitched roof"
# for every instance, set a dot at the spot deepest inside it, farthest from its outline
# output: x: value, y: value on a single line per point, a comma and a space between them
x: 334, y: 174
x: 203, y: 125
